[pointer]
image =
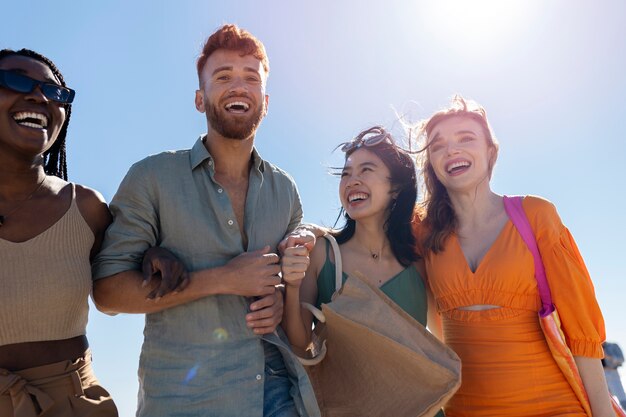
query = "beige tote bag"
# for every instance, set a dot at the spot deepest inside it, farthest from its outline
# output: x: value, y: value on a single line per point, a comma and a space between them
x: 378, y: 361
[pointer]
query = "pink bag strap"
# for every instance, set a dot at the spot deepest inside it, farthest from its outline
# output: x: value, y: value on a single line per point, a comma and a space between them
x: 515, y: 211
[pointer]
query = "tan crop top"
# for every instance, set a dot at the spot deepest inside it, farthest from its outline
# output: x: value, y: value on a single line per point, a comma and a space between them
x: 45, y: 282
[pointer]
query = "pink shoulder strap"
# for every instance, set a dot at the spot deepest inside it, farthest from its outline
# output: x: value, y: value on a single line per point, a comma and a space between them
x: 515, y: 211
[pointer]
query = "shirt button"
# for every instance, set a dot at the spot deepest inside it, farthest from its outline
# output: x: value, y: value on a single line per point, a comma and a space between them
x: 210, y: 162
x: 258, y: 377
x: 230, y: 222
x: 219, y: 190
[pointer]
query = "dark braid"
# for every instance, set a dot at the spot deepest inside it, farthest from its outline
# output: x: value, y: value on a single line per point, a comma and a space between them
x: 55, y: 161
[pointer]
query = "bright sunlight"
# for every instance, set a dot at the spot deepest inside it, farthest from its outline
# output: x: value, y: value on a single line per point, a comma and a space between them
x: 477, y: 26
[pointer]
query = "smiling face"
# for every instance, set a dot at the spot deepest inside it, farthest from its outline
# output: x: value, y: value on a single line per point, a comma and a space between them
x: 29, y: 121
x: 365, y: 187
x: 232, y: 94
x: 460, y: 153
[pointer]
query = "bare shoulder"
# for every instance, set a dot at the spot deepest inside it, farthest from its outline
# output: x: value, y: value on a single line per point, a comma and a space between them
x: 318, y: 254
x: 93, y: 208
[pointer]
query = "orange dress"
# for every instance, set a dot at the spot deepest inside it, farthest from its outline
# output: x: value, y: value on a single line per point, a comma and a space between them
x: 507, y: 369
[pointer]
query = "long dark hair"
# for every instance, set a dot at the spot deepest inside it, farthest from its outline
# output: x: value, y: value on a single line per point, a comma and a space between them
x: 403, y: 180
x: 440, y: 221
x: 55, y: 162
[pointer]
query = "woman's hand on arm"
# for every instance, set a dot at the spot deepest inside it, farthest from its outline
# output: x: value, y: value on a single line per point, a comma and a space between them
x: 294, y: 264
x: 300, y: 276
x: 125, y: 291
x: 250, y: 274
x: 165, y: 268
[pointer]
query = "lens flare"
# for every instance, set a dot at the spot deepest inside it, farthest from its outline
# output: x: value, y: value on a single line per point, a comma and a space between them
x: 220, y: 334
x: 191, y: 374
x: 478, y: 27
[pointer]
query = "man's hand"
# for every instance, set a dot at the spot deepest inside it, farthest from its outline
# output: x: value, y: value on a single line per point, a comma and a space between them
x: 266, y: 313
x: 163, y: 265
x: 253, y: 273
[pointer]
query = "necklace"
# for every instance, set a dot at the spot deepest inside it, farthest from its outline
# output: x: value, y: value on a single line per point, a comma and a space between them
x: 3, y: 217
x: 376, y: 255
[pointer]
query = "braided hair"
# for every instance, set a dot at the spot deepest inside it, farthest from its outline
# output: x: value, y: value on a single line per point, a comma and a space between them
x: 55, y: 162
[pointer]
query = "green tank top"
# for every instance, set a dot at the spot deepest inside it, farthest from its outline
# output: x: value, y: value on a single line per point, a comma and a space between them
x: 406, y: 288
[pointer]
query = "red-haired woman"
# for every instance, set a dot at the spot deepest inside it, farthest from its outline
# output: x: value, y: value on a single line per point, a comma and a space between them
x: 482, y: 277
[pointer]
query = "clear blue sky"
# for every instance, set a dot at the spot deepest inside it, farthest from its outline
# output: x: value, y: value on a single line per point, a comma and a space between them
x: 550, y: 74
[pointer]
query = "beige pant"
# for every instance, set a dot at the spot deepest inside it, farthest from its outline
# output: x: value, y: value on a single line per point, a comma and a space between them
x: 62, y: 389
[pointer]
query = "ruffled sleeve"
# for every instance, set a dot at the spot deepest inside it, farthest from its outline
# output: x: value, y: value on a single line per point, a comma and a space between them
x: 572, y: 290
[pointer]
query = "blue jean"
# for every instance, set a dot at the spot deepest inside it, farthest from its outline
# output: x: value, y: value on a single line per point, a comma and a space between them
x: 277, y: 400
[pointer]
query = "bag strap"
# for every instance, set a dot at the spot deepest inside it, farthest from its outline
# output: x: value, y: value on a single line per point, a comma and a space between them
x: 515, y: 211
x: 319, y: 315
x: 338, y: 263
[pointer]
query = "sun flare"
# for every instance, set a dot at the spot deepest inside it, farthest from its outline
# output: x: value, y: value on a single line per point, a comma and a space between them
x: 476, y: 25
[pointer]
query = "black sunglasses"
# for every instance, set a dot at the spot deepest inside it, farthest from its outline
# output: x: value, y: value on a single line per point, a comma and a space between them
x: 23, y: 84
x: 378, y: 135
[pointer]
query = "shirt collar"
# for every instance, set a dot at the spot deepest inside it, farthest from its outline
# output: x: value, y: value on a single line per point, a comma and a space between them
x: 199, y: 154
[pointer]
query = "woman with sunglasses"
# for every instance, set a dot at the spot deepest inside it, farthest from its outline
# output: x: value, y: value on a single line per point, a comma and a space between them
x: 482, y: 277
x: 49, y: 231
x: 377, y: 191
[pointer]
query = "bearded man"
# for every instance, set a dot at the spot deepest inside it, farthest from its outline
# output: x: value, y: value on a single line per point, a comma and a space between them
x: 203, y: 225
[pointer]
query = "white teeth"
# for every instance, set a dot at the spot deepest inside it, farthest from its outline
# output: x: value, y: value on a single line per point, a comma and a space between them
x: 30, y: 119
x: 458, y: 164
x: 237, y: 105
x: 357, y: 196
x: 33, y: 125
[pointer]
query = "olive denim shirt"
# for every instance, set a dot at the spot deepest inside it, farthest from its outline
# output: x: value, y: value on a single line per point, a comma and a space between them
x: 200, y: 358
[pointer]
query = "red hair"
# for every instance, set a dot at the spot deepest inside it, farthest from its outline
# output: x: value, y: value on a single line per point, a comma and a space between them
x: 440, y: 221
x: 233, y: 38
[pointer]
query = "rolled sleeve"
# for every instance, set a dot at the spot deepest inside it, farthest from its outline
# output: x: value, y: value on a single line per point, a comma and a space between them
x: 135, y: 225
